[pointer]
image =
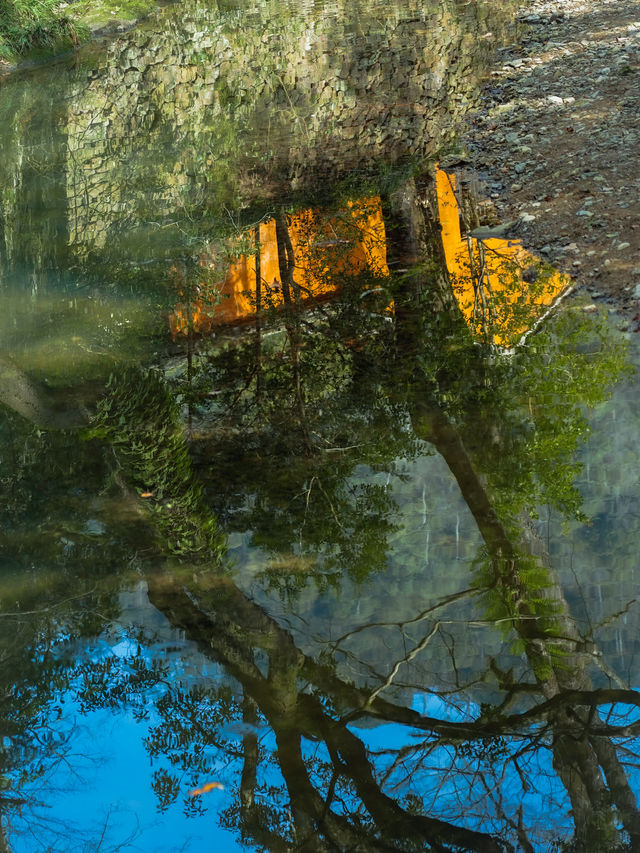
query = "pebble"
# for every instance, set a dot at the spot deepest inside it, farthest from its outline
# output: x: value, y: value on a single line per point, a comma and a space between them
x: 582, y: 166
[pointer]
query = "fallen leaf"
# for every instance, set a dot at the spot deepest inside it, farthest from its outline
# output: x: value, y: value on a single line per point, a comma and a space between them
x: 209, y: 786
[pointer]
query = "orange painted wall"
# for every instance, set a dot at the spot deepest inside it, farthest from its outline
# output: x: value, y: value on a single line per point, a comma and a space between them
x: 513, y: 303
x: 324, y: 248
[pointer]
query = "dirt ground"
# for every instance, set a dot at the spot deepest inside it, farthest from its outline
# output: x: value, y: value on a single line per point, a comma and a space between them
x: 557, y: 145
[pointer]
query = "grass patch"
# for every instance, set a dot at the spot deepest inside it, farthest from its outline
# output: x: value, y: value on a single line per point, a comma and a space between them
x: 29, y: 27
x: 32, y: 25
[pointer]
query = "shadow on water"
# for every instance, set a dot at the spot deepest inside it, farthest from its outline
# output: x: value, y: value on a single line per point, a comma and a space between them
x: 288, y: 486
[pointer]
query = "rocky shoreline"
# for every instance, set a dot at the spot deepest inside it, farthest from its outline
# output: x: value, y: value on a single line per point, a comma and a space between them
x: 556, y: 144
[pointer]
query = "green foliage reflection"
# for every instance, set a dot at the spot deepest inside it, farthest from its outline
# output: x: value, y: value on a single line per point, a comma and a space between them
x: 139, y: 418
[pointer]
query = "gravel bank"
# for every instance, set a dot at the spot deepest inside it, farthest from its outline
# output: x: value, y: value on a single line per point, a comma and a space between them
x: 557, y: 144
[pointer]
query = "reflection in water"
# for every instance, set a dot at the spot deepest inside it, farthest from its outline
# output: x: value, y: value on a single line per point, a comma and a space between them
x: 327, y: 729
x: 502, y: 289
x: 209, y: 110
x: 303, y: 558
x: 343, y: 244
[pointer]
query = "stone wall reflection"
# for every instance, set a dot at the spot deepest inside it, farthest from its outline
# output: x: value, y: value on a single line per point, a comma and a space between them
x: 211, y: 102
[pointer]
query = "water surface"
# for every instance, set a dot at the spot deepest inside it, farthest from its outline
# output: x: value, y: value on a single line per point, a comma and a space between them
x: 313, y: 536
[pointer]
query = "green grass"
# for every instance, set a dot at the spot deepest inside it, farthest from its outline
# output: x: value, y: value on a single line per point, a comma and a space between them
x: 27, y: 25
x: 48, y: 27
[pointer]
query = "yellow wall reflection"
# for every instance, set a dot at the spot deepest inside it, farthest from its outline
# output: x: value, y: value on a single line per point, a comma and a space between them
x: 325, y: 249
x: 501, y: 288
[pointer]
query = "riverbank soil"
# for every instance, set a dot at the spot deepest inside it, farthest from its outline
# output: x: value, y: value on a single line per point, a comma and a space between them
x: 557, y: 143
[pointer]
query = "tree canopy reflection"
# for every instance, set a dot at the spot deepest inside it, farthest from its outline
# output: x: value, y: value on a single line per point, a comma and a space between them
x: 297, y: 412
x: 290, y: 424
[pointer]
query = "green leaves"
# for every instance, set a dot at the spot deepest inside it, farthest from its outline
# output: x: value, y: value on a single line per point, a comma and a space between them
x: 141, y: 421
